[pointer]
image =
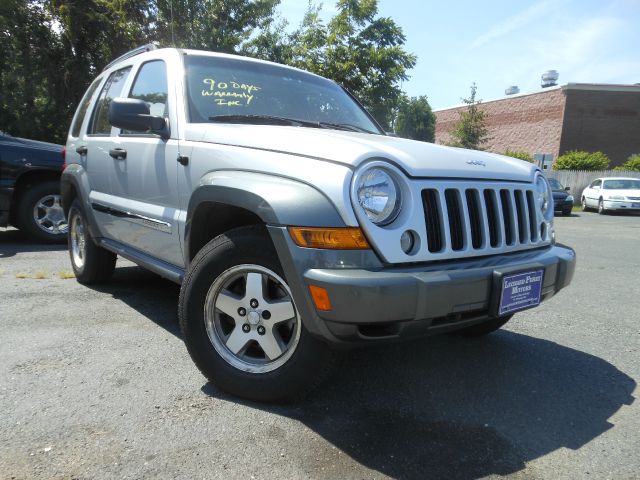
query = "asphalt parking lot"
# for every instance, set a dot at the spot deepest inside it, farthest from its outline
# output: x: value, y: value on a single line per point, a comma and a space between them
x: 96, y: 383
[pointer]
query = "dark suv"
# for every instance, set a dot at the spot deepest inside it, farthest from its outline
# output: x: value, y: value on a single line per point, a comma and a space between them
x: 30, y: 188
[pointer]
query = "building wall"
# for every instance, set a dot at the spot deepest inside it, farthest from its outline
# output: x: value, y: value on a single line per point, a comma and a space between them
x: 530, y: 123
x: 606, y: 121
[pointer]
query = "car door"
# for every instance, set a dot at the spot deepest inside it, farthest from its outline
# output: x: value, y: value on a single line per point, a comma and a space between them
x: 593, y: 193
x: 143, y: 174
x: 94, y: 150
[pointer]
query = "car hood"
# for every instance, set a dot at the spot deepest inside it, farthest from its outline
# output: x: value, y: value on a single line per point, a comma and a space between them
x: 417, y: 159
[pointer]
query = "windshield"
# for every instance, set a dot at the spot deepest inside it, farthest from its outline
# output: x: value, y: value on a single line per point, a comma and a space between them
x: 555, y: 184
x: 622, y: 184
x: 239, y: 91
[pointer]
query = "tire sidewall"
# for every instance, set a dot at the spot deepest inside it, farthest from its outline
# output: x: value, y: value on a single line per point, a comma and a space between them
x: 284, y: 383
x: 27, y: 203
x: 75, y: 210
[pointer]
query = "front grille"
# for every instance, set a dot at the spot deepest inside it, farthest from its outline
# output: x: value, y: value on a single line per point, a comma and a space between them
x: 484, y: 218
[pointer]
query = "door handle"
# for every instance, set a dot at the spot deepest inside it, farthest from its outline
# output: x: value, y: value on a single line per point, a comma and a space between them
x: 118, y: 153
x: 82, y: 150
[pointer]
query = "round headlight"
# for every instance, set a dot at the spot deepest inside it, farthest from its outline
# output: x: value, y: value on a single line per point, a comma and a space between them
x: 379, y: 196
x: 544, y: 195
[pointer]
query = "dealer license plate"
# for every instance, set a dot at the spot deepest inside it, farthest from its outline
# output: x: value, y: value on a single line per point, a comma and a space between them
x: 520, y: 291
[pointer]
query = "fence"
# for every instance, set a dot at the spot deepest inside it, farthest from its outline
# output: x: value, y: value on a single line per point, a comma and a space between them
x: 577, y: 180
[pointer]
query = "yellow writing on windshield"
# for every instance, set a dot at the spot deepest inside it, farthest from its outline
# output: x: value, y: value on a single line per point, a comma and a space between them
x: 230, y: 94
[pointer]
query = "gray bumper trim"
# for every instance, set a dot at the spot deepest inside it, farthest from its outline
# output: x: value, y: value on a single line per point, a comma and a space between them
x: 366, y: 297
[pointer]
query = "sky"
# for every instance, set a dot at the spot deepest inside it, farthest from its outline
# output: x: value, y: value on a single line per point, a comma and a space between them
x: 501, y: 43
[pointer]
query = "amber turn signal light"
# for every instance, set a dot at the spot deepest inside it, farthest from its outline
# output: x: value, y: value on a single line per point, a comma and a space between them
x: 320, y: 298
x: 329, y: 238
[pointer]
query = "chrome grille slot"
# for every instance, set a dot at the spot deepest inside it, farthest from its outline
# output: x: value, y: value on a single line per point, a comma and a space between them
x: 434, y: 220
x: 521, y: 216
x: 456, y: 226
x: 533, y: 224
x: 475, y: 218
x: 491, y: 207
x: 507, y: 217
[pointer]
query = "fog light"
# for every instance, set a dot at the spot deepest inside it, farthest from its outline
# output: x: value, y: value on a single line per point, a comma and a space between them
x: 407, y: 241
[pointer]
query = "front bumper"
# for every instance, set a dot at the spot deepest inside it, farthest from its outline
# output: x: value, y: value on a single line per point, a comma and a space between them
x: 372, y: 302
x: 621, y: 205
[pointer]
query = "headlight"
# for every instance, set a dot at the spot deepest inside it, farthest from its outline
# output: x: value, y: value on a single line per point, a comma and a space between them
x: 545, y: 199
x: 379, y: 196
x: 616, y: 197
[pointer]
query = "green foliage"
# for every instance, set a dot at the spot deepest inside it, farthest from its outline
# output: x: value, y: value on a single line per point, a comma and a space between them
x: 50, y: 50
x: 359, y: 50
x: 579, y: 160
x: 415, y: 119
x: 471, y: 130
x: 527, y: 157
x: 632, y: 164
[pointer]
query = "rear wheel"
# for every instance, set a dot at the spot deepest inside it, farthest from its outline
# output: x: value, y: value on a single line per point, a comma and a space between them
x: 91, y: 264
x: 484, y: 328
x: 240, y: 322
x: 40, y: 215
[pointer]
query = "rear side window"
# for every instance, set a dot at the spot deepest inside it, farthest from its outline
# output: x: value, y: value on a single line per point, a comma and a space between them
x: 150, y: 86
x: 82, y: 109
x: 112, y: 88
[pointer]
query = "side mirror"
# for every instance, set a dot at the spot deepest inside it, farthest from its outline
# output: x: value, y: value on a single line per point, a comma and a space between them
x: 132, y: 114
x: 568, y: 189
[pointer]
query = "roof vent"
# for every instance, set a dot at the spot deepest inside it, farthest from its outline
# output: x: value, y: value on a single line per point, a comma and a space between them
x: 550, y: 78
x: 512, y: 90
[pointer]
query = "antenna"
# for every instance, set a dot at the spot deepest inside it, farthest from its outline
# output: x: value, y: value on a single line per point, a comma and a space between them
x: 173, y: 38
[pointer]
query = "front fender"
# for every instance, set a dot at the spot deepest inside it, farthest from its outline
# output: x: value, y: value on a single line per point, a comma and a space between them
x: 276, y: 200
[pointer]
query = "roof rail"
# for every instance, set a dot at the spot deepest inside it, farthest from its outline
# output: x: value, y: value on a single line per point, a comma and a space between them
x: 132, y: 53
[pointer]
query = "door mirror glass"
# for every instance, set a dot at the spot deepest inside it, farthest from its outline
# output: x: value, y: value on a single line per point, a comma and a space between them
x: 132, y: 114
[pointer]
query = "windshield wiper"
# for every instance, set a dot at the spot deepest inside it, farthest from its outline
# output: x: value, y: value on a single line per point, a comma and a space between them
x: 344, y: 126
x: 257, y: 119
x: 273, y: 119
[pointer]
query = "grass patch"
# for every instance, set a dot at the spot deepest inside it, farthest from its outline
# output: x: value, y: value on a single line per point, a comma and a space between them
x: 64, y: 275
x: 21, y: 275
x: 40, y: 275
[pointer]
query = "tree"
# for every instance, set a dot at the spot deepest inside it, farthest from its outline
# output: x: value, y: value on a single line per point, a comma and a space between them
x: 579, y: 160
x: 527, y: 157
x: 631, y: 165
x: 218, y: 25
x: 415, y: 119
x: 471, y: 130
x: 362, y: 52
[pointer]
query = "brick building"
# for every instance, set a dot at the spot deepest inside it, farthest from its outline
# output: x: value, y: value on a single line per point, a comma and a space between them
x: 576, y: 116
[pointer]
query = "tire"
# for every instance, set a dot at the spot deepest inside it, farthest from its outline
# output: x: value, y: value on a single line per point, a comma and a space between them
x: 601, y: 209
x: 584, y: 205
x: 484, y: 328
x: 566, y: 213
x: 221, y: 324
x: 39, y: 213
x: 91, y: 264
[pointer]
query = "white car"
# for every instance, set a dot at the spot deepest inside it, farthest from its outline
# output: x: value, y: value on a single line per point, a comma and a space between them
x: 612, y: 193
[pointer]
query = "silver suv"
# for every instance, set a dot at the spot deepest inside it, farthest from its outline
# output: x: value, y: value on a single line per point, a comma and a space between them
x: 293, y: 223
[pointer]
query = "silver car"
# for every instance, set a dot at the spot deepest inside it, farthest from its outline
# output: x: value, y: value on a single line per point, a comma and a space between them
x: 293, y: 223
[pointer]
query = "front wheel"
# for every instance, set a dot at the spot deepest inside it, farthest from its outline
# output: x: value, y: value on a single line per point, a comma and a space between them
x: 484, y: 328
x: 240, y: 322
x: 601, y: 209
